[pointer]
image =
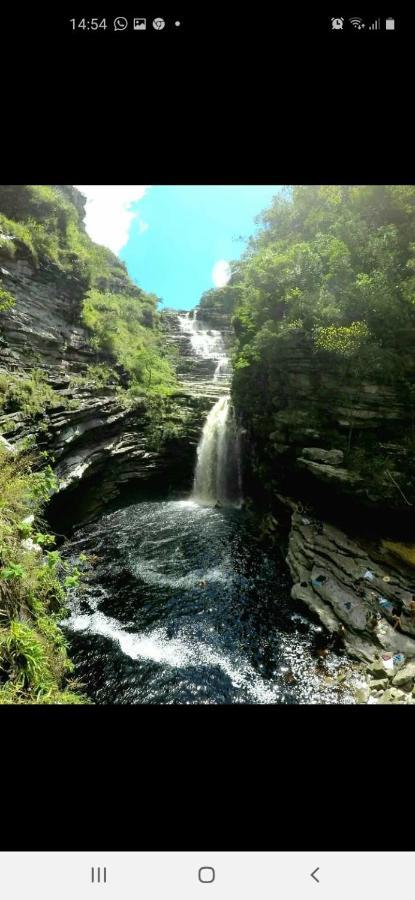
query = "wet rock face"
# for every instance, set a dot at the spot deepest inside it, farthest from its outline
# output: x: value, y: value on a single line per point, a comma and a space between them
x: 104, y: 444
x: 42, y: 329
x: 405, y: 675
x: 327, y: 434
x: 104, y: 452
x: 368, y: 602
x: 329, y: 473
x: 98, y: 443
x: 317, y: 455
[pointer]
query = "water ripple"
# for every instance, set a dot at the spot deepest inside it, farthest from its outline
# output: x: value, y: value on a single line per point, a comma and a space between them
x: 183, y: 606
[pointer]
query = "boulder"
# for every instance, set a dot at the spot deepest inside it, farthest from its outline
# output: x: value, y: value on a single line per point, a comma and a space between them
x: 329, y: 473
x: 381, y: 684
x: 6, y: 446
x: 362, y: 693
x: 393, y: 695
x: 317, y: 454
x: 406, y: 674
x: 377, y: 669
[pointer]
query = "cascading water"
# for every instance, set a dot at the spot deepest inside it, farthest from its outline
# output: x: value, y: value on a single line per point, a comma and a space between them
x: 223, y: 371
x: 208, y: 344
x: 218, y: 470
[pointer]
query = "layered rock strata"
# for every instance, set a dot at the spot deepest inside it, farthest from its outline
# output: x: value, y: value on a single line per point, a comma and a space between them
x: 362, y: 594
x: 92, y: 432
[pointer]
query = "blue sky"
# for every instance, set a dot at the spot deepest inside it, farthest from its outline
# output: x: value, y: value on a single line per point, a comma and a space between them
x: 171, y: 237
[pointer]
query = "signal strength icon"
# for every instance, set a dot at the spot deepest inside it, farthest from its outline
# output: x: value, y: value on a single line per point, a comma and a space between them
x: 357, y: 23
x: 375, y: 26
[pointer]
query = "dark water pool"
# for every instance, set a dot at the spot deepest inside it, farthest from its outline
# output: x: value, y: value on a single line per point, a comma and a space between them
x: 183, y: 606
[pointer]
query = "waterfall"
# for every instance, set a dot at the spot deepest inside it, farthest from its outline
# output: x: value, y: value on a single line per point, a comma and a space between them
x: 223, y: 371
x: 218, y: 470
x: 206, y: 343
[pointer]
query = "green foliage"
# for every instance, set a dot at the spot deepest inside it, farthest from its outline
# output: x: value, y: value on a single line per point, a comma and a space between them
x: 34, y: 666
x: 101, y: 375
x: 30, y: 394
x: 42, y: 485
x: 44, y: 540
x: 323, y: 310
x: 218, y: 301
x: 344, y: 340
x: 336, y: 262
x: 38, y: 202
x: 165, y: 422
x: 331, y: 256
x: 41, y: 220
x: 25, y: 527
x: 6, y: 300
x: 15, y: 233
x: 44, y: 222
x: 72, y: 581
x: 26, y: 657
x: 119, y: 327
x: 13, y: 570
x: 52, y: 560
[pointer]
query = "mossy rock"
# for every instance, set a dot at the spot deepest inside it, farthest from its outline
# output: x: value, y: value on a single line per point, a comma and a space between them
x: 404, y: 552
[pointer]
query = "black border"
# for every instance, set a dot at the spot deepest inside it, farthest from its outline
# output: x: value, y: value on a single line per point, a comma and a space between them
x: 211, y: 778
x: 242, y: 98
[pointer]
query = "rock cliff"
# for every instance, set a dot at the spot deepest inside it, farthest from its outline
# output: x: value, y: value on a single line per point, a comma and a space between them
x: 97, y: 441
x: 340, y: 448
x: 333, y: 439
x: 363, y: 591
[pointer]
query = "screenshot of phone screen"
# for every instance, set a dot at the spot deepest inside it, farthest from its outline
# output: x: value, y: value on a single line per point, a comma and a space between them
x: 207, y: 454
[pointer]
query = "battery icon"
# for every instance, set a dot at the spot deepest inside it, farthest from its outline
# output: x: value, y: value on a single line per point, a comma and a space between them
x: 390, y: 24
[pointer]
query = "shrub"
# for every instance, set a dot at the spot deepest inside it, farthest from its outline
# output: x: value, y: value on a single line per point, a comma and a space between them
x: 29, y: 394
x: 6, y: 300
x: 343, y: 340
x: 34, y: 666
x: 117, y: 323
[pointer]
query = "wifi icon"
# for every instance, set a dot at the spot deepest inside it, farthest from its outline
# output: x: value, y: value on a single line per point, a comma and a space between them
x: 357, y: 23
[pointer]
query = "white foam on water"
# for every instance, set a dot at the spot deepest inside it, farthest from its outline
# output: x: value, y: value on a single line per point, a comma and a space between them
x: 180, y: 652
x: 154, y: 572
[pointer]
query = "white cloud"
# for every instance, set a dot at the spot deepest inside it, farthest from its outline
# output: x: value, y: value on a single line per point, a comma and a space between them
x: 108, y: 212
x: 221, y: 273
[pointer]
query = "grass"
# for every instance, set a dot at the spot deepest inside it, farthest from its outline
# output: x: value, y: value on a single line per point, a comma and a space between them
x: 30, y: 394
x: 123, y: 327
x: 34, y: 665
x: 6, y: 300
x: 13, y: 234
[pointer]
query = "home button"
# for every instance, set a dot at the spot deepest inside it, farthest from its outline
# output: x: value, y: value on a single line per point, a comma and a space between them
x: 206, y: 874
